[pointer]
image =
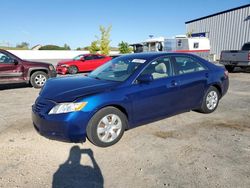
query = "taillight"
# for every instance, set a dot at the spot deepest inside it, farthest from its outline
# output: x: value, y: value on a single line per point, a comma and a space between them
x: 248, y: 56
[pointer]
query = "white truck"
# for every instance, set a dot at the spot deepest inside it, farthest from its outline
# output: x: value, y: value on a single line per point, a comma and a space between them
x: 236, y: 58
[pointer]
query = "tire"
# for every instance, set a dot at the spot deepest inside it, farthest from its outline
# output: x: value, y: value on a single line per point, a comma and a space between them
x: 102, y: 122
x: 73, y: 70
x: 38, y: 79
x: 210, y: 100
x: 229, y: 68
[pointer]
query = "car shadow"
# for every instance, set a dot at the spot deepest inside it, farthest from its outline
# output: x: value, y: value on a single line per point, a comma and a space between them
x: 73, y: 174
x: 14, y: 86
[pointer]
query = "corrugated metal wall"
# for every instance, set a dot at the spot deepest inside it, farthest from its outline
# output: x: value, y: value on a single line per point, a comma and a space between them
x: 226, y: 31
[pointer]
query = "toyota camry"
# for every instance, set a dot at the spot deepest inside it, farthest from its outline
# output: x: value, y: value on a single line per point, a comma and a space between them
x: 126, y: 92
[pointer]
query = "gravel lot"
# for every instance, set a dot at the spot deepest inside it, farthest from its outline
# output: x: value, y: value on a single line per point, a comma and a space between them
x: 187, y: 150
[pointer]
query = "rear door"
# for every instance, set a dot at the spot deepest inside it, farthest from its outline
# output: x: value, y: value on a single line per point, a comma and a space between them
x: 9, y: 71
x: 192, y: 77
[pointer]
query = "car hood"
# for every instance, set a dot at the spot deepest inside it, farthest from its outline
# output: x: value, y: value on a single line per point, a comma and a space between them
x: 67, y: 89
x: 36, y: 63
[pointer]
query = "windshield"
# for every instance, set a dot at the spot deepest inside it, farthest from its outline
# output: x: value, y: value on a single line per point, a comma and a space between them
x: 118, y: 69
x: 78, y: 57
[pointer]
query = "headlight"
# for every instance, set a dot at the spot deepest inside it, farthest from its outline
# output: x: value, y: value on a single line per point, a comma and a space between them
x: 51, y: 67
x: 67, y: 107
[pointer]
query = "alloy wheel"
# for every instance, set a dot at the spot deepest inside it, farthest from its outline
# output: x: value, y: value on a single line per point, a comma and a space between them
x: 109, y: 128
x: 212, y: 100
x: 40, y: 79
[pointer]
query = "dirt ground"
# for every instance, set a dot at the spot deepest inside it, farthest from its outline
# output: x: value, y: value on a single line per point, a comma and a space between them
x: 187, y: 150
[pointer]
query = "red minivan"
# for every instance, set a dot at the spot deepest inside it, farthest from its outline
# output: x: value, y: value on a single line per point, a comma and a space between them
x: 82, y: 63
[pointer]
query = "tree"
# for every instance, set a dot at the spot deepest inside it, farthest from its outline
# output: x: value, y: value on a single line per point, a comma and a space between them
x: 105, y: 40
x: 66, y: 47
x: 55, y: 47
x: 86, y: 48
x: 124, y: 48
x: 23, y: 45
x: 94, y: 48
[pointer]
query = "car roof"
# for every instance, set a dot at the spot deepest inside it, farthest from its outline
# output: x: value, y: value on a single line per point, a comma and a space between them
x: 153, y: 55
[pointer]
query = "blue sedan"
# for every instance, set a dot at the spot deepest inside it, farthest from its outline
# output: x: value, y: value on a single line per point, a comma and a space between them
x: 126, y: 92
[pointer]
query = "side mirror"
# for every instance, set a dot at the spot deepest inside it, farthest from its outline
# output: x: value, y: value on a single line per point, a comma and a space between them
x: 82, y: 59
x: 146, y: 78
x: 14, y: 61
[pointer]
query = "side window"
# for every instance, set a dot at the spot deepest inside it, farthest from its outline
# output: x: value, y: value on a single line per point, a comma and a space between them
x: 185, y: 64
x: 5, y: 58
x: 99, y: 57
x: 196, y: 45
x: 89, y: 57
x: 159, y: 68
x: 179, y: 43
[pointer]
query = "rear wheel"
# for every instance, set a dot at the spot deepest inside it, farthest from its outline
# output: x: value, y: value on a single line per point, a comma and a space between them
x: 210, y: 100
x: 229, y: 68
x: 38, y: 79
x: 106, y: 127
x: 73, y: 70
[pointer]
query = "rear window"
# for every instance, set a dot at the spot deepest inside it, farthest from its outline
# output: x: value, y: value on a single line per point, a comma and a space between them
x: 246, y: 47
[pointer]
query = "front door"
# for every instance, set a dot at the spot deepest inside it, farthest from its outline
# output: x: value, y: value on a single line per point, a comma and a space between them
x: 9, y: 71
x: 157, y: 98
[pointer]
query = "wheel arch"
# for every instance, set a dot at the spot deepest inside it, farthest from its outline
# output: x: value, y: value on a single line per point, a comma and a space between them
x: 218, y: 87
x: 119, y: 107
x: 33, y: 70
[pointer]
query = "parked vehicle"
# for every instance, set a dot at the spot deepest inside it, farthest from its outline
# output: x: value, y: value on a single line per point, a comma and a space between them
x: 82, y: 63
x: 236, y: 58
x: 16, y: 70
x: 181, y: 43
x: 128, y: 91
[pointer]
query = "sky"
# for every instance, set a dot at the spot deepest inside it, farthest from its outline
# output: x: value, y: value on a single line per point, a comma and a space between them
x: 76, y: 22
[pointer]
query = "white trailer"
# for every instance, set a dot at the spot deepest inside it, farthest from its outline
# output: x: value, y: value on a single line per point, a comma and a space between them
x: 181, y: 43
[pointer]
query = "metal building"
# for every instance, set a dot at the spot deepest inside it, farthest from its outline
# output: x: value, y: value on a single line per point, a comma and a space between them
x: 227, y: 30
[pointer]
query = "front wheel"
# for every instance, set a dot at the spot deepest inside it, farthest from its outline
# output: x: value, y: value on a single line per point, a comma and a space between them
x: 210, y: 100
x: 38, y: 79
x: 106, y: 127
x: 73, y: 70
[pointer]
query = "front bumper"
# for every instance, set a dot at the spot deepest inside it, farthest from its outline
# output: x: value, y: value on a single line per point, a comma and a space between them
x: 61, y: 70
x: 68, y: 127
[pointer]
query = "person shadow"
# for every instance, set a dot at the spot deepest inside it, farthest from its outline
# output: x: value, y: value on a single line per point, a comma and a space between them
x: 75, y: 175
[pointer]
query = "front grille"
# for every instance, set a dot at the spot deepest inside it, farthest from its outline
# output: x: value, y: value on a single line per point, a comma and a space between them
x: 42, y: 105
x: 39, y: 106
